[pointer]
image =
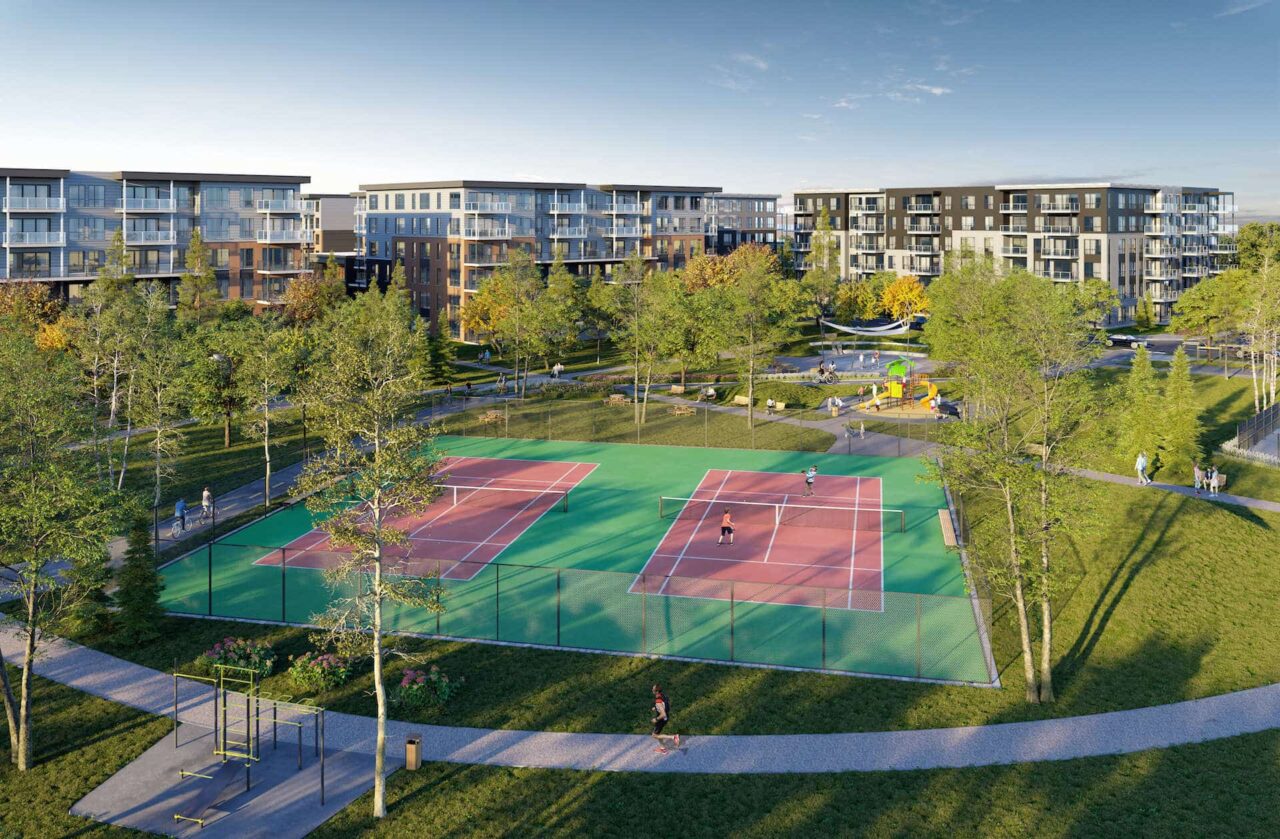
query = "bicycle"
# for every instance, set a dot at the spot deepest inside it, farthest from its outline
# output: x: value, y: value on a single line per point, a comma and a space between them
x: 176, y: 529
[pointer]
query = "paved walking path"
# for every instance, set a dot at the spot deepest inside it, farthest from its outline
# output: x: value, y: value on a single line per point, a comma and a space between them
x: 1118, y: 732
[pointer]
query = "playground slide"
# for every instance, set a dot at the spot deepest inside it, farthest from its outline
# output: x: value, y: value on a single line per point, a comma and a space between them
x: 932, y: 392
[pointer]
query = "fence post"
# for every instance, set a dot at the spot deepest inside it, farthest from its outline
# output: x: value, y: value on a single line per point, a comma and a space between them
x: 824, y: 628
x: 209, y: 592
x: 439, y: 584
x: 644, y: 614
x: 731, y: 622
x: 497, y: 608
x: 706, y: 427
x: 899, y: 436
x: 283, y: 561
x: 919, y: 603
x: 557, y: 607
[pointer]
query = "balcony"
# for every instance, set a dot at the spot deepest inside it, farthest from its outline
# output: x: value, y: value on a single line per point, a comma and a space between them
x: 1223, y: 247
x: 1161, y: 250
x: 568, y: 233
x: 1163, y: 294
x: 284, y: 237
x: 622, y: 231
x: 1225, y: 230
x: 1191, y: 209
x: 497, y: 232
x: 1058, y: 275
x: 923, y: 268
x: 1060, y: 253
x: 1224, y: 208
x: 1019, y: 251
x: 282, y: 268
x: 800, y: 246
x: 1155, y: 228
x: 924, y: 247
x: 619, y: 208
x: 866, y: 209
x: 866, y: 228
x: 1195, y: 271
x: 1059, y: 207
x: 571, y: 209
x: 1161, y: 273
x: 150, y: 237
x: 1156, y: 205
x: 485, y: 259
x: 147, y: 270
x: 923, y: 229
x: 39, y: 204
x: 1195, y: 250
x: 867, y: 246
x: 34, y: 238
x: 285, y: 205
x: 1060, y: 231
x: 1015, y: 207
x: 486, y: 207
x: 1013, y: 228
x: 922, y: 208
x: 146, y: 205
x: 225, y: 234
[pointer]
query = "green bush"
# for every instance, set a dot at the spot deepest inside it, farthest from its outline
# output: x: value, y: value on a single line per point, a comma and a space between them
x: 420, y: 689
x: 319, y: 671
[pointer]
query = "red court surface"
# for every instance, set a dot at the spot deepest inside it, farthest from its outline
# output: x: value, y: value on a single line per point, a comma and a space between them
x: 496, y: 500
x: 825, y: 549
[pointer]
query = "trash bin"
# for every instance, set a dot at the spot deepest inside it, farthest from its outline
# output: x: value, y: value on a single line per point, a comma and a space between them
x: 413, y: 752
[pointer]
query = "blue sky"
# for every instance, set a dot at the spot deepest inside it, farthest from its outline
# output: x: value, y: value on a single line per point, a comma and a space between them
x: 750, y: 96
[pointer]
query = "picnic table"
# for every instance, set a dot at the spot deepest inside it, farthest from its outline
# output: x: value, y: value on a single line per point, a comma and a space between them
x: 681, y: 411
x: 491, y: 417
x: 616, y: 399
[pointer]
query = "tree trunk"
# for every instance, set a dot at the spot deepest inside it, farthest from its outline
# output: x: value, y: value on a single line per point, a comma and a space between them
x: 380, y: 692
x: 226, y: 429
x: 1020, y: 604
x: 10, y: 709
x: 24, y: 707
x: 128, y: 429
x: 266, y: 450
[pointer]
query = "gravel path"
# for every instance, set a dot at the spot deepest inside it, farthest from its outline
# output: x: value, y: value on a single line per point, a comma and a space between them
x: 1118, y: 732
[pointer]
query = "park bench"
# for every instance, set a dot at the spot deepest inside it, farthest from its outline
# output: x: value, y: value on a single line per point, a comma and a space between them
x: 741, y: 401
x: 677, y: 390
x: 491, y: 417
x: 948, y: 529
x: 681, y: 411
x: 616, y: 399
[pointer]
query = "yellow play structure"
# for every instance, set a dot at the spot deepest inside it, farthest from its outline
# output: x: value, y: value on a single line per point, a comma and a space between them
x: 902, y: 391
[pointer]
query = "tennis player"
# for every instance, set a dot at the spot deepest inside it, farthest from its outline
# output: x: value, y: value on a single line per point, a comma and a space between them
x: 809, y: 475
x: 726, y: 527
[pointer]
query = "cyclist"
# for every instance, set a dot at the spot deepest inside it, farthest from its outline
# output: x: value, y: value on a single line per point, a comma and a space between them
x: 206, y: 505
x: 180, y: 513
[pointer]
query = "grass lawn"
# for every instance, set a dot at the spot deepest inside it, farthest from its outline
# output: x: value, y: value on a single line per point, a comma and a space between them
x: 80, y: 741
x: 1172, y: 603
x: 1224, y: 788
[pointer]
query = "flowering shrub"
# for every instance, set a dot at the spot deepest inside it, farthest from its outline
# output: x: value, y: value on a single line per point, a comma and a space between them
x: 319, y: 671
x: 240, y: 652
x: 425, y: 689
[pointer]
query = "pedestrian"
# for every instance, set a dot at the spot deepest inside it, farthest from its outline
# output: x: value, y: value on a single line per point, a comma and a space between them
x: 1213, y: 480
x: 862, y: 359
x: 862, y: 389
x: 809, y: 475
x: 726, y: 527
x: 862, y: 430
x: 1141, y: 466
x: 180, y: 513
x: 206, y: 503
x: 875, y: 358
x: 467, y: 391
x: 662, y: 716
x: 769, y: 405
x: 1198, y: 475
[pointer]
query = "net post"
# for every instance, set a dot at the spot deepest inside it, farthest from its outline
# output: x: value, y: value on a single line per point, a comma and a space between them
x: 731, y: 622
x: 903, y: 514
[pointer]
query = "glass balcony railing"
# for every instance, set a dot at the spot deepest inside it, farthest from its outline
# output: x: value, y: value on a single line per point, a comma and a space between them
x: 34, y: 204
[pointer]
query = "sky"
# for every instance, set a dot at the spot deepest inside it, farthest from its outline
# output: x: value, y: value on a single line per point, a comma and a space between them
x: 750, y: 96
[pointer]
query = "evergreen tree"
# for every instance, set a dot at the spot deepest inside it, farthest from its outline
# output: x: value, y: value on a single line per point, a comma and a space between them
x: 440, y: 353
x: 1144, y: 316
x: 138, y: 595
x: 1140, y: 414
x: 1180, y: 445
x: 198, y: 297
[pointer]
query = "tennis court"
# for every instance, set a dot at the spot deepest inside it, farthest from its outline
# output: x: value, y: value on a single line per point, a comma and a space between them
x: 565, y: 545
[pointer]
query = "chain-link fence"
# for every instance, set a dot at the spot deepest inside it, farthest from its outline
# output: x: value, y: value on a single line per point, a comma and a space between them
x: 1257, y: 428
x: 865, y: 631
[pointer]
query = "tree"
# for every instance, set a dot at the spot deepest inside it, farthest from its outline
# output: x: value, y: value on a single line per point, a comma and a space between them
x: 1144, y: 313
x: 55, y: 517
x: 438, y: 364
x: 198, y: 295
x: 1140, y: 419
x: 267, y: 372
x: 378, y: 466
x: 787, y: 257
x: 217, y: 351
x: 904, y: 298
x: 1256, y: 243
x: 1180, y: 419
x: 598, y: 307
x: 160, y: 402
x: 706, y: 270
x: 823, y: 275
x: 505, y: 307
x: 116, y: 274
x: 28, y: 303
x: 311, y: 296
x: 759, y: 307
x: 556, y: 312
x: 139, y: 585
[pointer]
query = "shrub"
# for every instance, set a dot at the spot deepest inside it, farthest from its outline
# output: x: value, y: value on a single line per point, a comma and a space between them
x: 240, y: 652
x: 425, y: 689
x: 319, y: 671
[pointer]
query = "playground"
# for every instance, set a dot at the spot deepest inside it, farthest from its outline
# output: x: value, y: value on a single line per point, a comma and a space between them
x: 603, y: 547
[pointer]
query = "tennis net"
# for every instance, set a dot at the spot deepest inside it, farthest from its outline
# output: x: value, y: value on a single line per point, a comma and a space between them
x: 834, y: 517
x: 512, y: 498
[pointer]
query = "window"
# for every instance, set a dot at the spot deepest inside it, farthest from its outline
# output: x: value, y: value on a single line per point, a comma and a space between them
x: 220, y: 257
x: 400, y: 222
x: 424, y: 201
x: 373, y: 201
x: 946, y: 202
x: 87, y: 195
x: 246, y: 258
x: 399, y: 200
x: 966, y: 223
x: 968, y: 202
x: 455, y: 201
x: 991, y: 222
x: 1092, y: 247
x: 1092, y: 200
x: 679, y: 202
x: 246, y: 198
x: 988, y: 202
x: 217, y: 198
x: 246, y: 284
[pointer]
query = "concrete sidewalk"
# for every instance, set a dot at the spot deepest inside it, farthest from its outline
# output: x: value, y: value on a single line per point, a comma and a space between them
x: 1119, y: 732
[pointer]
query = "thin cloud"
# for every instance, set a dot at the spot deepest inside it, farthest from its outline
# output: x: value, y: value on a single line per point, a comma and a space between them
x: 850, y: 100
x: 806, y: 138
x: 1241, y: 6
x: 753, y: 61
x: 812, y: 116
x: 931, y: 89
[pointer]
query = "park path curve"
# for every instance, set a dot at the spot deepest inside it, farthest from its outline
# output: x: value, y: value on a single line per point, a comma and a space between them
x: 1117, y: 732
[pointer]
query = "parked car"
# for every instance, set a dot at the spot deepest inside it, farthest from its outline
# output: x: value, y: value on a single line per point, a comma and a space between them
x: 1119, y: 339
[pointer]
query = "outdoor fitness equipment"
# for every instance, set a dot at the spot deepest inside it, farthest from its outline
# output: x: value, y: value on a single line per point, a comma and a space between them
x: 237, y: 737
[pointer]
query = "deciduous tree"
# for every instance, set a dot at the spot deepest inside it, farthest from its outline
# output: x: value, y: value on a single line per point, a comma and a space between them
x: 198, y: 296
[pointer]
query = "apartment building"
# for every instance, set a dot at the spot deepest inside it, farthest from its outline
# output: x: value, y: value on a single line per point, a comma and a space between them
x: 1141, y: 239
x: 330, y: 219
x: 58, y: 223
x: 451, y: 235
x: 734, y: 219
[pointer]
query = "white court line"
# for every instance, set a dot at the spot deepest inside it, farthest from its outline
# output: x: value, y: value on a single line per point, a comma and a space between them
x: 438, y: 515
x: 696, y: 528
x: 752, y: 562
x: 853, y: 547
x: 777, y: 522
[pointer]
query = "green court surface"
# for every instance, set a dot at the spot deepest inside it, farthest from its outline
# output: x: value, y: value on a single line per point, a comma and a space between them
x: 566, y: 580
